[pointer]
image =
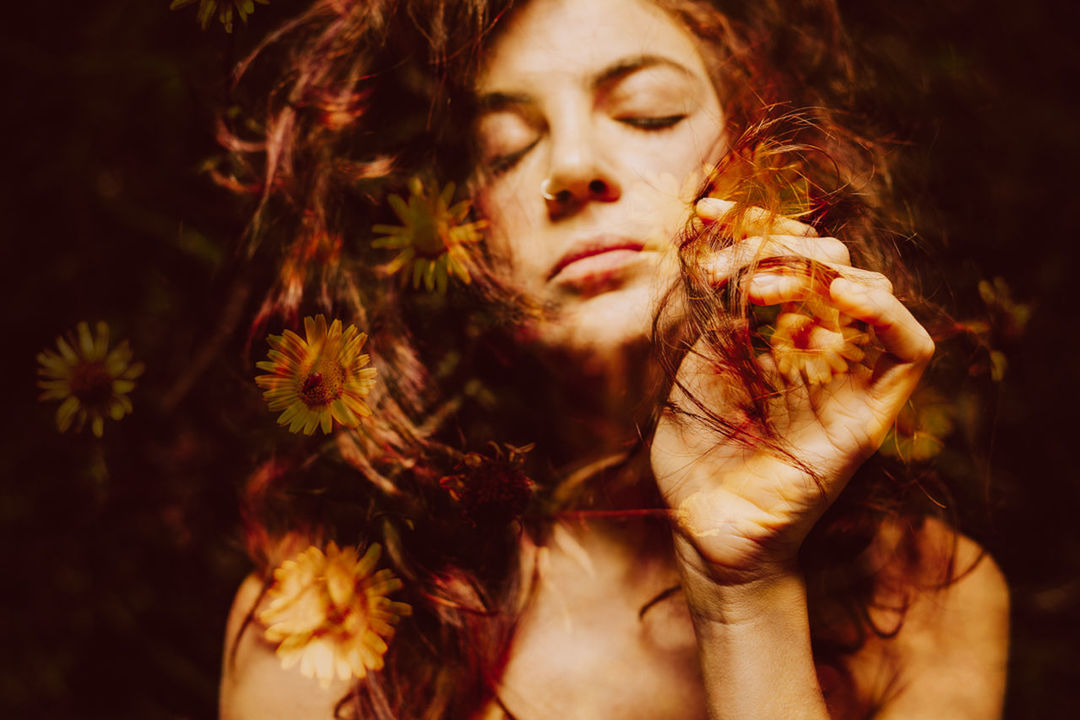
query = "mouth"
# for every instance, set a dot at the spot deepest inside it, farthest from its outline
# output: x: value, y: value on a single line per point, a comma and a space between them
x: 604, y: 253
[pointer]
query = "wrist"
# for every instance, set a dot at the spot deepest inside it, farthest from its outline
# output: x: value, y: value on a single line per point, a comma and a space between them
x: 763, y: 595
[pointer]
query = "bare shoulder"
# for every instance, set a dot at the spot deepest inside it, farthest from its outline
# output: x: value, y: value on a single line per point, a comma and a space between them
x: 253, y: 684
x: 949, y: 657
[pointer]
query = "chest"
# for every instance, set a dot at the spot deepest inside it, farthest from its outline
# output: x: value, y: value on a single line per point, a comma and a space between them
x: 600, y: 638
x: 584, y: 650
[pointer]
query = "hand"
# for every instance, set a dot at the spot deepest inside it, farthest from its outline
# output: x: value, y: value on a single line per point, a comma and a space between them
x: 742, y: 509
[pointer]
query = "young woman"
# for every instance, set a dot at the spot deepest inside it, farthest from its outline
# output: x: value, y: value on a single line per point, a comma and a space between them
x: 657, y: 305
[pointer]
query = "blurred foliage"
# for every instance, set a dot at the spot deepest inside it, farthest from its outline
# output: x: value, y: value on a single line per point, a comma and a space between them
x: 124, y: 552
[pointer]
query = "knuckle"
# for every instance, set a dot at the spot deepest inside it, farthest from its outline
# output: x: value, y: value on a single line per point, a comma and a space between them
x: 879, y: 281
x: 751, y: 248
x: 833, y: 249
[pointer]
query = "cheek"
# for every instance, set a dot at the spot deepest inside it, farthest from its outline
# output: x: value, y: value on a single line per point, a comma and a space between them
x: 512, y: 224
x: 689, y: 153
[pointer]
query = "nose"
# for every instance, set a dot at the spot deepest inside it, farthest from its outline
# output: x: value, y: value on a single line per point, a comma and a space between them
x: 578, y: 172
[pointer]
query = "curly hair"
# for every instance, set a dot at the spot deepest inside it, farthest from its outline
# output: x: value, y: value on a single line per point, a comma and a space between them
x: 366, y: 95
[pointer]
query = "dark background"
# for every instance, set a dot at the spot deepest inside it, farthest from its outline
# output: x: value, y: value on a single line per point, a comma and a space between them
x: 120, y: 557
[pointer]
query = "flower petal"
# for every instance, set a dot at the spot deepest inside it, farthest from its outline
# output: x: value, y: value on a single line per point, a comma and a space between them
x: 86, y: 341
x: 66, y: 413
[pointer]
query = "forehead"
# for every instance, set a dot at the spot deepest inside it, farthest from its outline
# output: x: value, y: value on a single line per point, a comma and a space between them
x: 558, y: 39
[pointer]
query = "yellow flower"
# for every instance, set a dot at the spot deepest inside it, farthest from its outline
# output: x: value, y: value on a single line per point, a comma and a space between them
x: 805, y: 348
x: 330, y: 612
x: 432, y: 236
x: 225, y: 9
x: 318, y: 379
x: 89, y: 379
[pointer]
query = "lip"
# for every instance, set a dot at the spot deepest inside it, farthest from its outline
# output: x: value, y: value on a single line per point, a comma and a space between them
x: 592, y: 247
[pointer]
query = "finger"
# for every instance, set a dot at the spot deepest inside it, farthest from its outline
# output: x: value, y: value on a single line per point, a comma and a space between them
x: 774, y: 286
x: 896, y: 328
x: 722, y: 264
x: 768, y: 288
x: 753, y: 220
x: 867, y: 278
x: 712, y: 209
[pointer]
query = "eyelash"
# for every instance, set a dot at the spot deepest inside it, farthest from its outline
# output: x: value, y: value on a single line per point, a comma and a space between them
x: 502, y: 163
x: 652, y: 123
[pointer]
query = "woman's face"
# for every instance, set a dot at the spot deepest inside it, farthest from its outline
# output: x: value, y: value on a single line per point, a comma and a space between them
x: 596, y: 121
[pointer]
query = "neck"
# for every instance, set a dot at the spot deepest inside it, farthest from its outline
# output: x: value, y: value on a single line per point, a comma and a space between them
x: 604, y: 401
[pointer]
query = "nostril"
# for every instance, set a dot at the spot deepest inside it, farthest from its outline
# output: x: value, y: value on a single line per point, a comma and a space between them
x: 597, y: 187
x: 563, y: 196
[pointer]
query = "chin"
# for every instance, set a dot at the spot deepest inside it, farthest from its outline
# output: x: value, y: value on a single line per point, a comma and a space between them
x: 602, y: 325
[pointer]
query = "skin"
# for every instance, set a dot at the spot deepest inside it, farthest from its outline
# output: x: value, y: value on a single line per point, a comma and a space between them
x: 618, y: 126
x: 606, y: 108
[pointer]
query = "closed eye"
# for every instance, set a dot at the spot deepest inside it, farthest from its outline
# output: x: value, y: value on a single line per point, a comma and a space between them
x: 502, y: 163
x: 651, y: 123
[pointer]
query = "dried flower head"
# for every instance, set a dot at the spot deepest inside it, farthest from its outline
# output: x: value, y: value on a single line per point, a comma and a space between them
x: 330, y: 612
x: 91, y: 381
x: 431, y: 238
x: 318, y: 379
x: 491, y: 490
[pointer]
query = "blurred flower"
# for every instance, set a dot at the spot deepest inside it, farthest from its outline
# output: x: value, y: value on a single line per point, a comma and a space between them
x: 1010, y: 318
x: 491, y: 490
x: 318, y: 379
x: 921, y: 428
x: 91, y: 381
x: 224, y: 9
x: 804, y: 348
x: 1005, y: 323
x: 432, y: 236
x: 330, y: 612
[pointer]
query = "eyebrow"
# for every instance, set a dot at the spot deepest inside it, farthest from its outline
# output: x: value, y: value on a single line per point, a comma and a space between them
x: 628, y: 66
x: 495, y: 101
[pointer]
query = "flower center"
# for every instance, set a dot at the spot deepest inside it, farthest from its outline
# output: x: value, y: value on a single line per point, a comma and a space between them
x: 91, y: 383
x: 325, y: 382
x: 428, y: 237
x: 800, y: 335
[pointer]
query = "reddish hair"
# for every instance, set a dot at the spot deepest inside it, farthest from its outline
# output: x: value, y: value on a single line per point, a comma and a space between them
x: 366, y: 94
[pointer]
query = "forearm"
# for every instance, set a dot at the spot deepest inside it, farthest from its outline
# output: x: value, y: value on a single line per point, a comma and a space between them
x: 754, y: 646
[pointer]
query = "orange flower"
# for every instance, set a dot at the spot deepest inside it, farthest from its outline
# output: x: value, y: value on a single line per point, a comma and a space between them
x: 317, y: 380
x: 91, y: 381
x: 805, y: 348
x: 329, y: 612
